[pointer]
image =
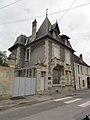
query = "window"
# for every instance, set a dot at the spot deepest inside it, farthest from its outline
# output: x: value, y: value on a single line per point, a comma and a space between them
x: 67, y: 57
x: 43, y: 73
x: 83, y: 83
x: 67, y: 79
x: 27, y: 54
x: 78, y: 69
x: 21, y: 73
x: 34, y: 72
x: 56, y: 52
x: 81, y: 70
x: 27, y: 73
x: 62, y: 54
x: 30, y: 72
x: 56, y: 76
x: 87, y: 70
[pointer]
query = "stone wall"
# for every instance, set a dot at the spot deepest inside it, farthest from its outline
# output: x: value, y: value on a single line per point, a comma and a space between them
x: 6, y: 80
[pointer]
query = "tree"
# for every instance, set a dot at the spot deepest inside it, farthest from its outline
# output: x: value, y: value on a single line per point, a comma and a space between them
x: 3, y: 58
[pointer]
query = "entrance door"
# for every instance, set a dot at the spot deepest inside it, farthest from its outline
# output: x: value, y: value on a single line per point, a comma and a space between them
x: 88, y: 82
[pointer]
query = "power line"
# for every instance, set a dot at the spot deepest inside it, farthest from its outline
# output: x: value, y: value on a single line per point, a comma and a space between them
x: 21, y: 20
x: 67, y: 10
x: 29, y: 19
x: 9, y: 4
x: 86, y: 44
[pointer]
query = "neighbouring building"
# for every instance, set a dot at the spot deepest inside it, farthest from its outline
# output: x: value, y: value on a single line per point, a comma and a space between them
x: 82, y: 73
x: 47, y: 56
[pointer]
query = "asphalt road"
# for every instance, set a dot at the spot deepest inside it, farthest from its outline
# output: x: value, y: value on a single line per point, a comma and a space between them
x: 68, y: 108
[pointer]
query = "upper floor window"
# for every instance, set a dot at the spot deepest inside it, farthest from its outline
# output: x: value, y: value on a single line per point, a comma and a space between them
x: 87, y: 70
x: 62, y: 54
x: 27, y: 54
x: 78, y: 69
x: 56, y: 52
x: 81, y: 70
x: 67, y: 57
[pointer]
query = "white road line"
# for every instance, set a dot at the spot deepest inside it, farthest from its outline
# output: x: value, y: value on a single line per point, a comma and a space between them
x: 85, y: 104
x: 56, y: 100
x: 71, y: 101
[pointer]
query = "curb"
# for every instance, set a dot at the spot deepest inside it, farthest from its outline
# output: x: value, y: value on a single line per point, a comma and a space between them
x: 27, y: 103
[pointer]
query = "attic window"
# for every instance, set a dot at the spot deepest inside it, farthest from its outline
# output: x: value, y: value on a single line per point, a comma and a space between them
x: 26, y: 41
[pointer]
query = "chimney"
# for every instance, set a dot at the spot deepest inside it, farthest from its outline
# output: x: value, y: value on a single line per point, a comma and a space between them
x: 34, y: 27
x: 81, y: 57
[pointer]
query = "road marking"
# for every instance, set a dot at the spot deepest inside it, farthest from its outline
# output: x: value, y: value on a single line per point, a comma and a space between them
x: 56, y: 100
x: 71, y: 101
x: 84, y: 104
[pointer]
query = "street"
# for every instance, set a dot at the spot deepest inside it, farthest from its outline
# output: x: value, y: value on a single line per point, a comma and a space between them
x: 66, y: 108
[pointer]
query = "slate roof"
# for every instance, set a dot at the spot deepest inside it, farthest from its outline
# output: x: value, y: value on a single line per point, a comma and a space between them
x: 46, y: 29
x: 79, y: 61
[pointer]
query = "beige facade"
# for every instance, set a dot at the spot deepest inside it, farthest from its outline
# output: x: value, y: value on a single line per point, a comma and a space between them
x: 82, y: 74
x: 6, y: 80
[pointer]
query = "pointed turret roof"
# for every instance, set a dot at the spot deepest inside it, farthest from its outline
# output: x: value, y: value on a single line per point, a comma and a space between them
x: 44, y: 28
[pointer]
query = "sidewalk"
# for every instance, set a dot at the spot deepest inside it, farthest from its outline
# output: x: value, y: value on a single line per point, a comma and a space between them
x: 29, y: 100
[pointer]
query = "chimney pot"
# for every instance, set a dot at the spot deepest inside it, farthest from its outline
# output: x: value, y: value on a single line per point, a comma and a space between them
x: 81, y: 57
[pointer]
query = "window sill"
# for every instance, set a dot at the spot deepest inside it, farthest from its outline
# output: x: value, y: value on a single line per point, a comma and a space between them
x: 56, y: 85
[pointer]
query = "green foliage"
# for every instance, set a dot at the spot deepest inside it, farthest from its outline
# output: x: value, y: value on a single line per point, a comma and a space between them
x: 3, y: 58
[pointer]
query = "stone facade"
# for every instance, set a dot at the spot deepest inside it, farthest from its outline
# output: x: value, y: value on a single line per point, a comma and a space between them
x: 47, y: 56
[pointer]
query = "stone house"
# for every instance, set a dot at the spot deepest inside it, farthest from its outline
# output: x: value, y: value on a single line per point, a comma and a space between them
x: 45, y: 55
x: 82, y: 73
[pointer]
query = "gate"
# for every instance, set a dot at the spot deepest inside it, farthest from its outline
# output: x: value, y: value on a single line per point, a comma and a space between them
x: 23, y: 86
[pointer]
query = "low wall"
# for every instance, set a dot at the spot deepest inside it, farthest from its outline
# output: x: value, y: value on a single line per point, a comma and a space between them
x: 6, y: 80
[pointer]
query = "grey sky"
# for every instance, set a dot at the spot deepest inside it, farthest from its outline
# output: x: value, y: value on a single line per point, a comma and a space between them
x: 75, y: 24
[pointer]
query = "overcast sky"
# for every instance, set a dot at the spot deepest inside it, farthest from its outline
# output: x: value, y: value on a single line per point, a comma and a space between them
x: 75, y: 23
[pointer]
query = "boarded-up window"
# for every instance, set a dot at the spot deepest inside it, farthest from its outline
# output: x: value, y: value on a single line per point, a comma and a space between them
x: 62, y: 54
x: 67, y: 57
x: 56, y: 52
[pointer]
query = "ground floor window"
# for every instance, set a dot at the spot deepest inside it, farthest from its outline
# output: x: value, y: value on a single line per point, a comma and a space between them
x: 83, y: 83
x: 26, y: 73
x: 56, y: 76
